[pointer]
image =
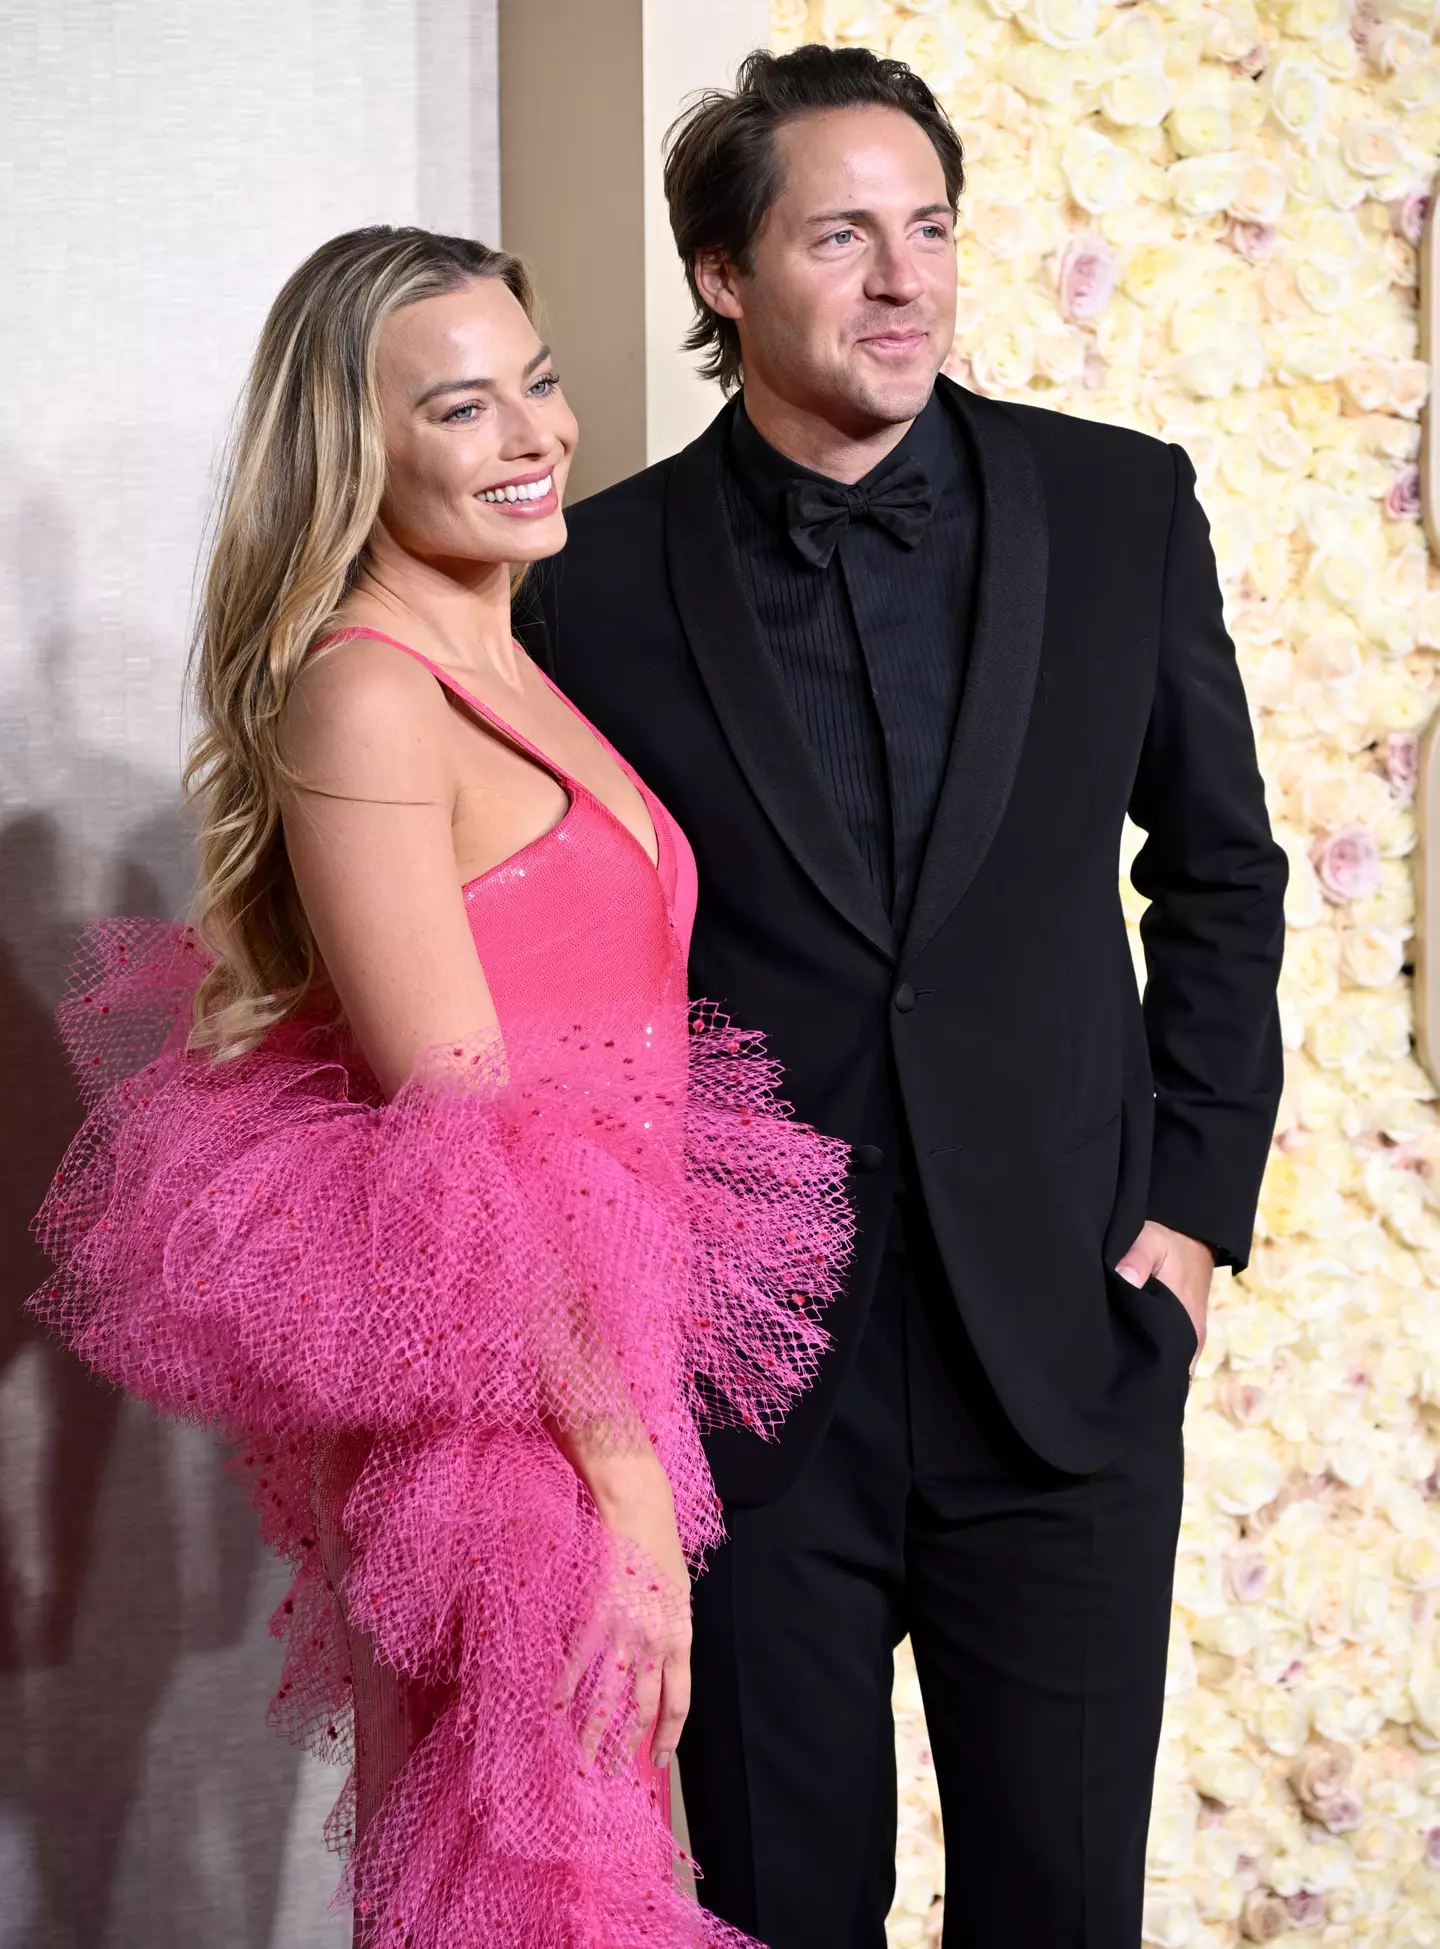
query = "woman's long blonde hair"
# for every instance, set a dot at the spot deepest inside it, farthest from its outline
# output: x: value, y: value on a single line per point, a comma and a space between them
x: 302, y: 489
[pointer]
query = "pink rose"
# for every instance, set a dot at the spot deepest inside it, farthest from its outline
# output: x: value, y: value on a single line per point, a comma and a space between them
x: 1252, y: 241
x: 1095, y: 368
x: 1307, y: 1909
x: 1318, y: 1778
x: 1246, y: 1575
x: 1087, y: 273
x: 1402, y: 763
x: 1341, y: 1813
x: 1245, y: 1402
x: 1432, y: 1847
x: 1252, y: 63
x: 1363, y: 22
x: 1408, y: 212
x: 1264, y: 1916
x: 1402, y: 503
x: 1347, y: 864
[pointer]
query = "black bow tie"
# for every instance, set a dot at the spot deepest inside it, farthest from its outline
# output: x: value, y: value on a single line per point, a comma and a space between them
x: 818, y: 512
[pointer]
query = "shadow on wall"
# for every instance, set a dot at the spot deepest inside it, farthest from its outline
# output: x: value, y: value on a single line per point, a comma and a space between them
x: 142, y: 1799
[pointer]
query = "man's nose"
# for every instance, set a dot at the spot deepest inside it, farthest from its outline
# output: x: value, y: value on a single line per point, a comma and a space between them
x: 894, y: 275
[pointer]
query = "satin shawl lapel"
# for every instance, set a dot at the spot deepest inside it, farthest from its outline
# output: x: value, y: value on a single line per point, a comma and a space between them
x: 1001, y: 669
x: 748, y: 692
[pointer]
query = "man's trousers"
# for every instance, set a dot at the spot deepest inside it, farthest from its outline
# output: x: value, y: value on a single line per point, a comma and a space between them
x: 1038, y: 1608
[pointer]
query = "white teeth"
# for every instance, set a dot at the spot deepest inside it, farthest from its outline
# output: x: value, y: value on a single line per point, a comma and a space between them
x: 534, y: 490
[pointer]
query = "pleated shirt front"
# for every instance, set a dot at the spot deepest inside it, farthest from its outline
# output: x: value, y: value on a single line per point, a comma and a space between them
x: 871, y: 647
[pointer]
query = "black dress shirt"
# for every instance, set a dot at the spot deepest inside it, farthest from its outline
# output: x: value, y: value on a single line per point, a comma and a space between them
x: 872, y: 646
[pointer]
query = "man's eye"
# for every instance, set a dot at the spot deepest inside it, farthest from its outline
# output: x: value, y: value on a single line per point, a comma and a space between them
x: 840, y: 237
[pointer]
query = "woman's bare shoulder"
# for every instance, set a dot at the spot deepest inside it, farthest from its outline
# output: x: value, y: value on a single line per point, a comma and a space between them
x: 363, y: 706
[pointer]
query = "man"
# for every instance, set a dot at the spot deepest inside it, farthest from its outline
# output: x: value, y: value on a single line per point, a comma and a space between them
x: 901, y: 658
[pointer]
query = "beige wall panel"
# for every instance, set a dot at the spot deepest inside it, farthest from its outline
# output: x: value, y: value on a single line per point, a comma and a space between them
x: 571, y: 188
x: 588, y: 88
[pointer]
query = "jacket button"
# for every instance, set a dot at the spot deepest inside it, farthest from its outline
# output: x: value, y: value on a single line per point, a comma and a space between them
x: 866, y: 1157
x: 904, y: 998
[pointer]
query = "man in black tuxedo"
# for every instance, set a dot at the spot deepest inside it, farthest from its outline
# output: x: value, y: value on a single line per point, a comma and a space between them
x: 901, y: 658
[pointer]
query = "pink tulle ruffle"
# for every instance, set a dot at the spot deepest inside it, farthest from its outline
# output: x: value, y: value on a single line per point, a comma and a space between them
x: 590, y: 1223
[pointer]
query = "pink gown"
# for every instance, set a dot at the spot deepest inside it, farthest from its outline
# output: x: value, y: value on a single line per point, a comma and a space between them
x: 601, y: 1213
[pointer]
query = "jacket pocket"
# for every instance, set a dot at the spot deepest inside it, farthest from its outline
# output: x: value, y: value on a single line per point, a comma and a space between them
x: 1088, y: 1132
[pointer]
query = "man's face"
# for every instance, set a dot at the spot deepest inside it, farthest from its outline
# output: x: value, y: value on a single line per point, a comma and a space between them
x: 848, y: 309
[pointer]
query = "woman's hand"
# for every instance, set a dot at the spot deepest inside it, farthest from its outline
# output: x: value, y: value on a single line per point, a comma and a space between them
x: 642, y: 1631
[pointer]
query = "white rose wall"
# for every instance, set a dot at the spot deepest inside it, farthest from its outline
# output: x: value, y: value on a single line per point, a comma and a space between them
x: 1201, y: 220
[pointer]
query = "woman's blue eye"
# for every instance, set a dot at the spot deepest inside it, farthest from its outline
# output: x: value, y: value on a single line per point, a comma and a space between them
x: 458, y: 416
x: 549, y: 381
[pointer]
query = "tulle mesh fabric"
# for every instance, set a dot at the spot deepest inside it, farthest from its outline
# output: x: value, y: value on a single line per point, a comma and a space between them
x: 603, y: 1216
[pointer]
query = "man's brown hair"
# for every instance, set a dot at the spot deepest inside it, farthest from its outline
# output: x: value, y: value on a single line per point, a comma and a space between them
x: 722, y: 166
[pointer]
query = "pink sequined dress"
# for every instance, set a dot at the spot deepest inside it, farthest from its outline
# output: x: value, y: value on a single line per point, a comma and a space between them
x: 601, y: 1214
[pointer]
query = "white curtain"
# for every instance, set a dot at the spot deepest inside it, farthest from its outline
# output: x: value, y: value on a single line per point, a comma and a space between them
x: 166, y: 164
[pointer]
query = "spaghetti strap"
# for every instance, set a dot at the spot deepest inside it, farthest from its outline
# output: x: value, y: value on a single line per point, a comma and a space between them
x: 664, y: 859
x: 468, y: 698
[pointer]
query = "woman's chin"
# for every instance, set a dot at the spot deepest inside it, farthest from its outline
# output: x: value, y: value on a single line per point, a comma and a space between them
x: 532, y: 540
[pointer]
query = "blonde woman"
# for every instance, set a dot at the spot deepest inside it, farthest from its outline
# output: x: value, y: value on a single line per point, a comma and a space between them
x: 410, y: 1166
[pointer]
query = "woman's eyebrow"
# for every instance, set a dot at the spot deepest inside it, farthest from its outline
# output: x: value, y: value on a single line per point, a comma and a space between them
x: 479, y: 385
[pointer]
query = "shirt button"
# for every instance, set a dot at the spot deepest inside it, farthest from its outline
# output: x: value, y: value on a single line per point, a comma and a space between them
x: 904, y: 998
x: 866, y: 1157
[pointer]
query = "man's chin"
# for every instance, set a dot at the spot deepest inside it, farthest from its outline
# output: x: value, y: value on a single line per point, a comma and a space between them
x: 897, y: 398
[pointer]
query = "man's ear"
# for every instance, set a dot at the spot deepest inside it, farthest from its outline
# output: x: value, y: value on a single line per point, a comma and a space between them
x: 718, y: 284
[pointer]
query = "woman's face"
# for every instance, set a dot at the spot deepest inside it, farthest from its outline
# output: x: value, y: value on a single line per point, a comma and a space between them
x: 478, y: 437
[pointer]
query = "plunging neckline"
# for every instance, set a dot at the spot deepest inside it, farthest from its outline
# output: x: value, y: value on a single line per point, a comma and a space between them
x: 573, y: 787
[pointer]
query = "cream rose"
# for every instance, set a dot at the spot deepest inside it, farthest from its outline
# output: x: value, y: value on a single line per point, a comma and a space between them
x: 1096, y: 170
x: 1060, y: 355
x: 1041, y: 73
x: 1137, y: 96
x: 1392, y: 46
x: 1259, y: 193
x: 1414, y: 89
x: 1409, y: 386
x: 1169, y: 1921
x: 1299, y: 97
x: 935, y: 48
x: 1006, y: 230
x: 1417, y: 1560
x: 1373, y: 956
x: 1228, y: 1777
x: 1371, y: 149
x: 1203, y: 186
x: 1060, y: 23
x: 1244, y: 1483
x: 852, y: 20
x: 1003, y: 359
x: 1200, y: 128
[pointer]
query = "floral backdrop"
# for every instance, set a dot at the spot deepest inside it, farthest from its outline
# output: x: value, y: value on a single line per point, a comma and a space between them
x: 1201, y: 218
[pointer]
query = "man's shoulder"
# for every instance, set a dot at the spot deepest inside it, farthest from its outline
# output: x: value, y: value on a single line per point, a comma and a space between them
x: 626, y: 505
x: 1068, y: 439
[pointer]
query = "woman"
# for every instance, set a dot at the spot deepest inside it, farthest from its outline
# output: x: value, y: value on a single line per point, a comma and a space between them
x: 410, y: 1167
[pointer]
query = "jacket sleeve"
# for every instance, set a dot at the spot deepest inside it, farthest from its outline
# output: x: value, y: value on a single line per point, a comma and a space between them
x: 1214, y: 931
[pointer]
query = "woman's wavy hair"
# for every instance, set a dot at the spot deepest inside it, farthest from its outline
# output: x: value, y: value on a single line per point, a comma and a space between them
x: 722, y: 165
x: 303, y: 484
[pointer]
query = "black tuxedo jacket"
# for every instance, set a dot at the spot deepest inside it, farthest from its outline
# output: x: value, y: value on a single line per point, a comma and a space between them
x: 998, y: 1054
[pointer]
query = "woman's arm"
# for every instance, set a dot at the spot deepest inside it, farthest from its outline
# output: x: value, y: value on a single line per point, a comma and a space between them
x: 368, y: 833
